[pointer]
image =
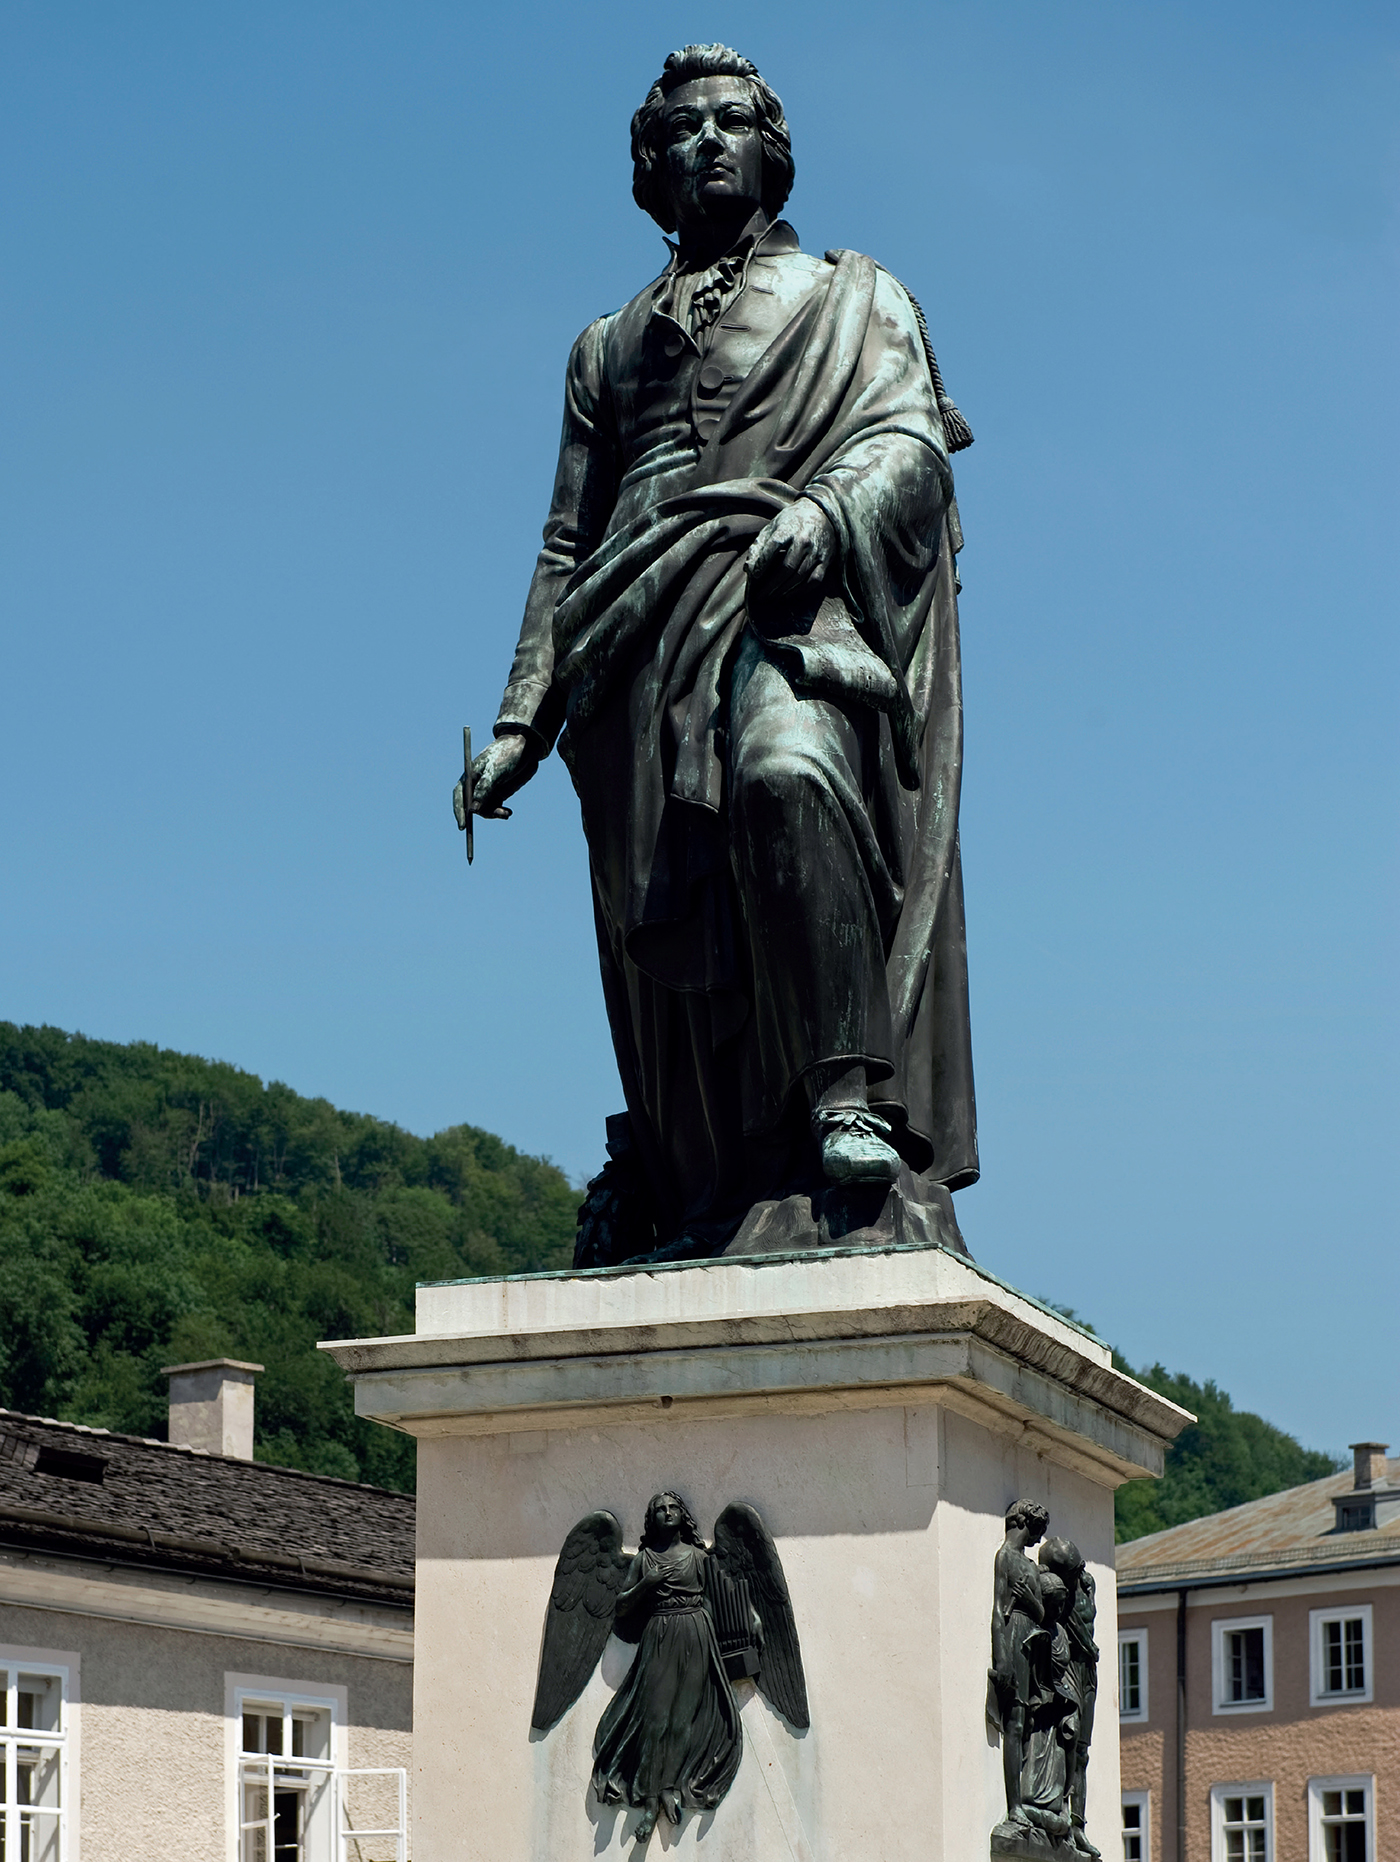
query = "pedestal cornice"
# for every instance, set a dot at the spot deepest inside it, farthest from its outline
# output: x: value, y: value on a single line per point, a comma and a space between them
x: 807, y: 1333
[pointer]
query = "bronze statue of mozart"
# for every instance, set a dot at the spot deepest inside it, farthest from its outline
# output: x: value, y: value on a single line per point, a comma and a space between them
x: 742, y: 636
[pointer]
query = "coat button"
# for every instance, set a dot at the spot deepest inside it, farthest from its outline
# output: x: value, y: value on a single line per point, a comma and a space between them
x: 674, y: 345
x: 711, y: 378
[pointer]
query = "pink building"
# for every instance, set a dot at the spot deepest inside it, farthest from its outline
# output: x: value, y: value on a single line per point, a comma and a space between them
x: 1259, y: 1677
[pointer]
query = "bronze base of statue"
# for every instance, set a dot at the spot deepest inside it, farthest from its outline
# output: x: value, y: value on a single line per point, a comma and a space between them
x: 617, y: 1223
x: 1024, y: 1839
x: 913, y: 1211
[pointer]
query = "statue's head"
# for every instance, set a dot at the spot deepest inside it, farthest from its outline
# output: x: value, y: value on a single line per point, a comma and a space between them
x: 669, y: 1518
x: 1027, y: 1516
x: 1054, y: 1595
x: 1064, y: 1558
x: 710, y: 142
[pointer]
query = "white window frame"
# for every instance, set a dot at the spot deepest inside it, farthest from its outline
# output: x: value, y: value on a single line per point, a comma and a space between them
x: 1361, y: 1781
x: 65, y: 1666
x: 1143, y: 1799
x: 263, y: 1691
x: 1124, y: 1713
x: 1219, y: 1629
x: 1317, y: 1622
x: 1219, y: 1792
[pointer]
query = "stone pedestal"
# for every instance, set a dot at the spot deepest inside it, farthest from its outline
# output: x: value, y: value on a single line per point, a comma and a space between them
x: 879, y: 1408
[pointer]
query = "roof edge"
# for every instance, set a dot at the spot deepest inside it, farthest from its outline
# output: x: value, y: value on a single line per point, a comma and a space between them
x: 1257, y: 1574
x: 91, y: 1431
x: 1383, y: 1548
x: 226, y: 1551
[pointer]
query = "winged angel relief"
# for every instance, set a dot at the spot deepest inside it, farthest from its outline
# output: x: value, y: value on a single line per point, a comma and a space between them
x: 702, y: 1617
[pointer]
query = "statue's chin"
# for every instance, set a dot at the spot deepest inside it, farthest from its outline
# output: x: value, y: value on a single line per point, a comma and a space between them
x: 718, y: 206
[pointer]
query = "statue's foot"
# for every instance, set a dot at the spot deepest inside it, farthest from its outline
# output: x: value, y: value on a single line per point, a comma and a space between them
x: 1059, y: 1829
x: 1082, y: 1843
x: 671, y: 1804
x: 1016, y: 1826
x: 855, y: 1148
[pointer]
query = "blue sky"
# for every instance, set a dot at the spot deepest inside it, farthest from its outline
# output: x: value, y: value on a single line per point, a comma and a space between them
x: 287, y: 296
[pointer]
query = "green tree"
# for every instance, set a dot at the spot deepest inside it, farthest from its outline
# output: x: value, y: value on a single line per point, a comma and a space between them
x: 156, y: 1207
x: 1227, y: 1456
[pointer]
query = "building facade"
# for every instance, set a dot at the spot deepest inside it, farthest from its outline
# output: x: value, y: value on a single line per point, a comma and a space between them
x: 1259, y: 1678
x: 203, y: 1658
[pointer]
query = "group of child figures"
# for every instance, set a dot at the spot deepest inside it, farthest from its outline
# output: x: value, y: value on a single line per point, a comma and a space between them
x: 1043, y: 1682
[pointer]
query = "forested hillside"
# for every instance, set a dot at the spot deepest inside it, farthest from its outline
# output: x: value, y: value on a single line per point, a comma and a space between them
x: 157, y: 1208
x: 1226, y: 1457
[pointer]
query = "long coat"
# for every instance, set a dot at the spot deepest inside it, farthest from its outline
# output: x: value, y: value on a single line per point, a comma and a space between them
x: 816, y: 382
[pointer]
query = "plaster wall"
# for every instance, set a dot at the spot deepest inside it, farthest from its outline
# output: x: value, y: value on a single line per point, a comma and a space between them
x: 887, y: 1521
x: 154, y: 1769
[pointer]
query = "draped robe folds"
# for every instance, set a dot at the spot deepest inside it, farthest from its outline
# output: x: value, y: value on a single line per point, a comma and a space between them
x: 674, y: 1723
x: 1051, y: 1734
x: 641, y: 639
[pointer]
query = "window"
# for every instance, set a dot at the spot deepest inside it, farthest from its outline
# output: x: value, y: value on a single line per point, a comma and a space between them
x: 286, y: 1773
x: 291, y: 1797
x: 1242, y: 1823
x: 69, y: 1466
x: 1137, y: 1826
x: 1356, y: 1515
x: 1242, y: 1664
x: 1341, y: 1654
x: 1341, y: 1819
x: 37, y: 1786
x: 1132, y: 1674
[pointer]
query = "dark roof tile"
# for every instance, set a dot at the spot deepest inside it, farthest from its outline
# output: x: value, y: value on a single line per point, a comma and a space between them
x: 78, y: 1488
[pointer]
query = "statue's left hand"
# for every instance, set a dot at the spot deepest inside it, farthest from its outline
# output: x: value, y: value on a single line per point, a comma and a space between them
x: 793, y: 551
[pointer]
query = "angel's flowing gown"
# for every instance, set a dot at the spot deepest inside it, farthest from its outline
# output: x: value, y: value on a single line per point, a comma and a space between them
x: 674, y: 1723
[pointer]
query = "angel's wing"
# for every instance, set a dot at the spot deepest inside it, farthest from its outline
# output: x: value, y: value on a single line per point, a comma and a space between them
x: 745, y: 1551
x: 579, y: 1618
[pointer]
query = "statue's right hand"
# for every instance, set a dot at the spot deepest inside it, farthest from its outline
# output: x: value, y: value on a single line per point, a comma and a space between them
x: 505, y: 765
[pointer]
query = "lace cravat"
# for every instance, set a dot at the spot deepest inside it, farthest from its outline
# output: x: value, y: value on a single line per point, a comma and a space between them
x: 712, y: 290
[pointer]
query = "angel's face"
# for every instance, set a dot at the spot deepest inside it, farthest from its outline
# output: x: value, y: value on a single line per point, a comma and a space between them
x: 665, y: 1513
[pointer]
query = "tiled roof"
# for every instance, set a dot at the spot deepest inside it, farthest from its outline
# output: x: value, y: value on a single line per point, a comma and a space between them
x: 93, y: 1492
x: 1283, y: 1532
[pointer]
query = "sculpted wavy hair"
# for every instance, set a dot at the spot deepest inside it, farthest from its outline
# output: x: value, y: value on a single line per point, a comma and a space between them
x: 649, y: 185
x: 1028, y: 1513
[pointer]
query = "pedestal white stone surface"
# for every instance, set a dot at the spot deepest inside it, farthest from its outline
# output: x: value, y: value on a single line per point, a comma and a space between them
x: 880, y: 1409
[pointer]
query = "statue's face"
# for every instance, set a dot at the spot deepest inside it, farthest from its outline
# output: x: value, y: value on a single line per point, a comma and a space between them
x: 714, y: 158
x: 1030, y: 1528
x: 665, y: 1513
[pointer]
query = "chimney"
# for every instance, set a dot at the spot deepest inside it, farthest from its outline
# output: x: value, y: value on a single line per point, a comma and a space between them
x: 211, y: 1405
x: 1368, y: 1463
